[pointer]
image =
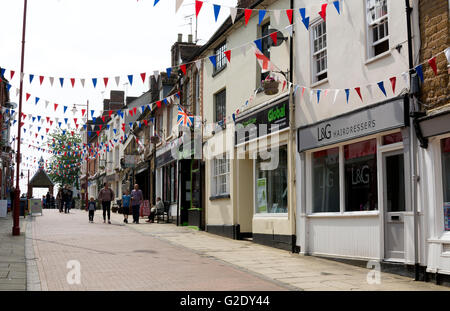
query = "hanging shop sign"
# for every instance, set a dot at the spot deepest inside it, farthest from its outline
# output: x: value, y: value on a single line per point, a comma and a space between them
x: 252, y: 126
x: 436, y: 124
x: 131, y: 160
x: 362, y: 122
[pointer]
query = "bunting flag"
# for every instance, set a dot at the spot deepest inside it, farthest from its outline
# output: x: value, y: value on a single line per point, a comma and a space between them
x: 156, y: 1
x: 358, y: 90
x: 393, y: 82
x: 198, y: 7
x: 233, y: 13
x: 261, y: 14
x: 318, y: 95
x: 213, y: 60
x: 228, y: 55
x: 72, y: 80
x: 82, y: 82
x: 61, y: 80
x: 289, y: 14
x: 177, y: 5
x: 65, y: 108
x: 419, y: 72
x: 83, y: 111
x: 94, y: 82
x: 31, y: 78
x: 433, y: 65
x: 323, y: 11
x: 56, y: 106
x: 117, y: 80
x: 11, y: 74
x: 381, y: 86
x: 216, y: 11
x: 143, y: 77
x: 258, y: 43
x: 158, y: 104
x: 169, y: 71
x: 27, y: 96
x: 306, y: 22
x: 37, y: 99
x: 130, y: 79
x: 183, y: 68
x: 183, y: 118
x: 247, y: 13
x: 105, y: 80
x: 347, y: 94
x: 337, y: 6
x: 369, y: 89
x: 274, y: 37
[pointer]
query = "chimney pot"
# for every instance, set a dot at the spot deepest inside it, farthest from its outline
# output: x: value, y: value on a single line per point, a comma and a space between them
x: 190, y: 38
x: 180, y: 37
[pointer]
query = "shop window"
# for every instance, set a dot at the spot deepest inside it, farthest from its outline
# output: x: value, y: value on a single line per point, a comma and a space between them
x: 169, y: 182
x: 445, y: 155
x: 361, y: 176
x: 272, y: 185
x: 392, y: 138
x: 325, y: 181
x: 220, y: 177
x: 378, y: 31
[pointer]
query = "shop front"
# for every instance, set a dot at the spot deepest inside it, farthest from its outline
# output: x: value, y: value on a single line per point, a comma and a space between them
x: 166, y: 179
x: 353, y: 198
x: 262, y: 175
x: 434, y: 168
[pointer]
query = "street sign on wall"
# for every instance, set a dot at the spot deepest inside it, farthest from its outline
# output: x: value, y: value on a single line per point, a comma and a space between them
x: 131, y: 160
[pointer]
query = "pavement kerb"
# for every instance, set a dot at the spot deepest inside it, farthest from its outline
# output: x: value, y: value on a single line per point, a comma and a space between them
x: 33, y: 280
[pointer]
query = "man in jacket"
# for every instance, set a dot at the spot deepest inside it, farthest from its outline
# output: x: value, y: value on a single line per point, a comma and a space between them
x: 105, y: 196
x: 67, y: 198
x: 136, y: 200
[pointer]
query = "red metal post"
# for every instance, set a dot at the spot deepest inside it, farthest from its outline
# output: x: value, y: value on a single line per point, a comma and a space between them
x: 16, y: 228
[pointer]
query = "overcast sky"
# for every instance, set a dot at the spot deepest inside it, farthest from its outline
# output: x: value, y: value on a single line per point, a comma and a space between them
x: 91, y: 39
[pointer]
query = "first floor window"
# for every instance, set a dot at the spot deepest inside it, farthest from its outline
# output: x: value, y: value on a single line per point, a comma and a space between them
x: 220, y: 106
x: 220, y: 177
x: 445, y: 155
x: 325, y: 180
x: 360, y: 162
x: 319, y: 51
x: 272, y: 184
x: 378, y: 32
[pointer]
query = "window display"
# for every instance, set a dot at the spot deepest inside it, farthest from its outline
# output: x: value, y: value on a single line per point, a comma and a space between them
x: 445, y: 155
x: 325, y: 180
x: 271, y: 185
x: 361, y: 176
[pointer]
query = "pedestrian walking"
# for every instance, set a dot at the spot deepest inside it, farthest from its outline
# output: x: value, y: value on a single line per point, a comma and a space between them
x: 44, y: 204
x: 59, y: 200
x: 47, y: 200
x: 52, y: 201
x: 91, y: 209
x: 106, y: 195
x: 136, y: 200
x: 126, y: 198
x: 67, y: 195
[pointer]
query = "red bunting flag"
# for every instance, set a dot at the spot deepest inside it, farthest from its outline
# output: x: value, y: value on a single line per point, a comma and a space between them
x: 100, y: 126
x: 247, y: 13
x: 27, y: 96
x: 110, y: 113
x: 106, y: 81
x: 273, y: 35
x: 158, y: 104
x: 48, y: 119
x: 71, y: 132
x: 41, y: 79
x: 130, y: 112
x: 103, y: 119
x: 358, y: 90
x: 289, y: 15
x: 183, y: 68
x: 393, y: 82
x: 46, y: 130
x: 51, y: 122
x: 75, y: 120
x: 12, y: 72
x: 56, y: 106
x: 228, y: 55
x: 143, y: 77
x: 432, y: 63
x: 76, y: 125
x: 83, y: 111
x: 198, y: 6
x: 134, y: 110
x: 145, y: 122
x: 72, y: 81
x: 323, y: 12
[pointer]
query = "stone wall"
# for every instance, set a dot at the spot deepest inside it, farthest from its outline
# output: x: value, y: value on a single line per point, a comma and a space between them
x: 434, y: 33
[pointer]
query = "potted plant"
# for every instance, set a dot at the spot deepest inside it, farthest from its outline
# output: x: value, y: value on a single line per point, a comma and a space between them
x: 270, y: 86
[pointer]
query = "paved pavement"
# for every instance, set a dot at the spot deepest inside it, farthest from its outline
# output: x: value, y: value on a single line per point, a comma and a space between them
x: 166, y: 257
x: 12, y: 256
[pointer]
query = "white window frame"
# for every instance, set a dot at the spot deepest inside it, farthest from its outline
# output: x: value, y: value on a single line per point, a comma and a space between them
x: 315, y: 54
x: 382, y: 21
x: 216, y: 187
x: 221, y: 59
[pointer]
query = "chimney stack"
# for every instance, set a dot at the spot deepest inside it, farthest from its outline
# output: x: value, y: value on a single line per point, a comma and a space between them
x: 180, y: 37
x: 189, y: 38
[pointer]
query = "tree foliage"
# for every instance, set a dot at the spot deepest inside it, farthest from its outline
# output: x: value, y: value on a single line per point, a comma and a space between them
x: 64, y: 165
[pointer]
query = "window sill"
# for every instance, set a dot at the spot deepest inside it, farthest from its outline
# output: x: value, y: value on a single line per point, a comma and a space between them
x: 219, y: 197
x: 270, y: 215
x: 343, y: 215
x: 215, y: 73
x: 375, y: 58
x: 316, y: 84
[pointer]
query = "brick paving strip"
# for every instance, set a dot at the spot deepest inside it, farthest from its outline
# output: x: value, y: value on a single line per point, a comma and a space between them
x: 12, y: 256
x: 298, y: 271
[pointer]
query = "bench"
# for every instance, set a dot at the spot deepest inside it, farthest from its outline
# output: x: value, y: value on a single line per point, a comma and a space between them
x: 165, y: 213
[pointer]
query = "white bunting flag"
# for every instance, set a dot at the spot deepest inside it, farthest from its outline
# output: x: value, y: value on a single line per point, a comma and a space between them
x: 369, y: 89
x: 51, y: 80
x: 21, y: 76
x: 46, y: 104
x: 290, y: 29
x: 177, y: 5
x: 447, y: 54
x: 198, y: 63
x: 276, y: 15
x: 82, y: 82
x: 56, y: 120
x: 117, y: 80
x: 156, y: 74
x: 335, y: 96
x: 311, y: 96
x: 233, y: 13
x: 405, y: 77
x: 17, y: 92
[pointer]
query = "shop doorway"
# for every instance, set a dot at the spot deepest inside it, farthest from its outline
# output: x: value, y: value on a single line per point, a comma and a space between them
x: 394, y: 206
